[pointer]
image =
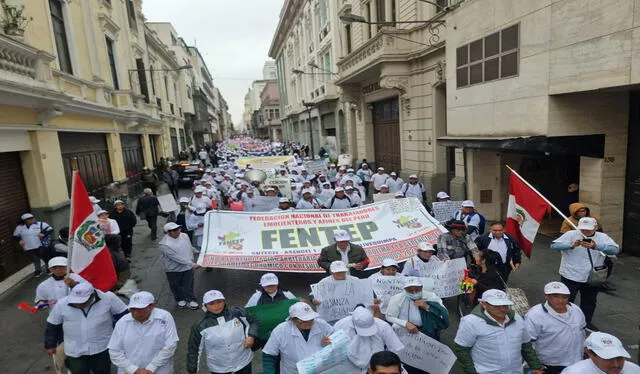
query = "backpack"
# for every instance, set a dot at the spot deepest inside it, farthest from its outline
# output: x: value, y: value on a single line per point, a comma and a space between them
x: 334, y: 199
x: 481, y: 225
x: 406, y: 188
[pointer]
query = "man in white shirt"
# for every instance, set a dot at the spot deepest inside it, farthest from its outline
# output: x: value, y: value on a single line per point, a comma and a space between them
x: 378, y: 179
x: 606, y: 354
x: 394, y: 182
x: 144, y: 341
x: 467, y: 214
x: 57, y: 286
x: 557, y: 329
x: 85, y: 318
x: 176, y: 256
x: 418, y: 265
x: 414, y: 189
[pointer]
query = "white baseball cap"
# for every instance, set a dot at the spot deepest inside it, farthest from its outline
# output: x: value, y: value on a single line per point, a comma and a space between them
x: 341, y: 235
x: 468, y: 204
x: 413, y: 176
x: 184, y: 199
x: 269, y: 189
x: 412, y: 282
x: 283, y: 200
x: 364, y: 322
x: 118, y: 202
x: 389, y: 262
x: 556, y: 288
x: 171, y: 226
x: 58, y: 261
x: 442, y: 195
x: 26, y: 216
x: 101, y: 211
x: 141, y: 300
x: 384, y: 186
x: 268, y: 279
x: 338, y: 189
x: 80, y: 293
x: 426, y: 247
x: 381, y: 168
x: 302, y: 311
x: 199, y: 189
x: 496, y: 298
x: 305, y: 191
x: 338, y: 267
x: 587, y: 223
x: 393, y: 174
x: 606, y: 346
x: 211, y: 296
x: 348, y: 188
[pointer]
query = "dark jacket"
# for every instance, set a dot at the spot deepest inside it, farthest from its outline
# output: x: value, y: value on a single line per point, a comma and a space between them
x: 434, y: 320
x: 487, y: 281
x: 513, y: 249
x: 126, y: 220
x: 356, y: 255
x: 266, y: 299
x: 149, y: 205
x: 211, y: 320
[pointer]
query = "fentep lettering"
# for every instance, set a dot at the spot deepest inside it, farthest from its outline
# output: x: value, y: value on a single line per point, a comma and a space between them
x: 314, y: 236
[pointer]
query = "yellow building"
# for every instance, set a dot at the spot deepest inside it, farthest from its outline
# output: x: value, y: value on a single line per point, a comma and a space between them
x: 83, y: 80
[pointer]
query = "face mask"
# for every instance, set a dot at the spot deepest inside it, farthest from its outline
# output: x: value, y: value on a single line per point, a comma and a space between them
x: 414, y: 296
x: 272, y: 294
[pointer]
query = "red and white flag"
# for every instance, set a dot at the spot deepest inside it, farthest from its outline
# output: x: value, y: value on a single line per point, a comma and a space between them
x: 90, y: 257
x: 525, y: 212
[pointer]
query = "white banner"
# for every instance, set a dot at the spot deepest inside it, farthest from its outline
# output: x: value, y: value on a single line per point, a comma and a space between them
x: 328, y: 357
x: 283, y: 184
x: 339, y: 298
x: 317, y: 165
x: 385, y: 287
x: 168, y: 203
x: 273, y: 160
x: 443, y: 277
x: 292, y: 240
x: 425, y: 353
x: 444, y: 210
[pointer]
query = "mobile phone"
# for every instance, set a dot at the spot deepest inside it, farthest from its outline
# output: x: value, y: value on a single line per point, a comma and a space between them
x: 587, y: 240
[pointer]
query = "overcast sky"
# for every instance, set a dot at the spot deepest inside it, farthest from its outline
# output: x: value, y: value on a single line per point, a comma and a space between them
x: 232, y: 36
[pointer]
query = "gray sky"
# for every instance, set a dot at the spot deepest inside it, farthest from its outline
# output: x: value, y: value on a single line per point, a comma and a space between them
x: 233, y: 36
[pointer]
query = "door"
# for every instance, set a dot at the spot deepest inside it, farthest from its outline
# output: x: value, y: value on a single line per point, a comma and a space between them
x: 92, y: 154
x: 386, y: 134
x: 133, y: 162
x: 631, y: 228
x: 13, y: 204
x: 174, y: 143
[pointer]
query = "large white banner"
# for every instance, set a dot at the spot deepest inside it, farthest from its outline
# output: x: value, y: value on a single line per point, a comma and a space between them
x: 273, y: 160
x: 339, y: 298
x: 425, y: 353
x: 291, y: 241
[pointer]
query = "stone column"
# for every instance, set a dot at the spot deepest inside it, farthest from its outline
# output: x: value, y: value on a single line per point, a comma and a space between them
x: 115, y: 156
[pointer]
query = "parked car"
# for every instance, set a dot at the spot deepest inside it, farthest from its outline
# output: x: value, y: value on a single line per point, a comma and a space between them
x: 188, y: 171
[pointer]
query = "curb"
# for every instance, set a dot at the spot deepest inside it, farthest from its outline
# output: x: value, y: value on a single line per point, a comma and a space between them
x: 15, y: 280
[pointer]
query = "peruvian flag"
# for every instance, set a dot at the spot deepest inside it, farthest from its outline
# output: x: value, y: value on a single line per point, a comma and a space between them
x: 525, y: 212
x: 89, y: 255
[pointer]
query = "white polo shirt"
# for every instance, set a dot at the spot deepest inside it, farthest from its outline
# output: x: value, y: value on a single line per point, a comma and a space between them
x: 287, y: 342
x: 498, y: 245
x: 575, y: 264
x: 51, y: 290
x: 87, y: 332
x: 30, y: 235
x: 149, y: 345
x: 558, y: 339
x: 588, y: 367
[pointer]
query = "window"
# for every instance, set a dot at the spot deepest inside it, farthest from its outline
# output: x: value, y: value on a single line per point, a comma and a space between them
x: 153, y: 80
x: 277, y: 113
x: 171, y: 109
x: 367, y: 27
x: 324, y: 12
x: 166, y: 86
x: 394, y: 12
x: 142, y: 78
x: 326, y: 66
x: 380, y: 12
x: 441, y: 5
x: 493, y: 57
x: 188, y: 91
x: 112, y: 63
x: 131, y: 13
x: 60, y: 36
x: 347, y: 32
x: 174, y: 40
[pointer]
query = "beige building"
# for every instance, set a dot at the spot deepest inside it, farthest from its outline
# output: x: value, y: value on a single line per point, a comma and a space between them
x: 550, y: 88
x: 75, y: 83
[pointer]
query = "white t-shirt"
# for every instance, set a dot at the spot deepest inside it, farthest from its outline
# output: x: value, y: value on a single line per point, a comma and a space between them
x: 588, y: 367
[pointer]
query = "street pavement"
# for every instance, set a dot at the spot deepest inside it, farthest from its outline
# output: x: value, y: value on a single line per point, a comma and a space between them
x: 23, y: 353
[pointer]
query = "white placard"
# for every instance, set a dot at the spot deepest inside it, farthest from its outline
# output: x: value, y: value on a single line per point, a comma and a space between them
x: 444, y: 210
x: 328, y: 357
x: 345, y: 160
x: 264, y: 203
x: 443, y: 277
x: 168, y: 203
x: 283, y: 184
x: 385, y: 287
x: 425, y: 353
x: 339, y: 298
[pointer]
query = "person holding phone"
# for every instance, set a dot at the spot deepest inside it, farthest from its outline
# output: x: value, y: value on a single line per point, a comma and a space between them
x: 582, y: 250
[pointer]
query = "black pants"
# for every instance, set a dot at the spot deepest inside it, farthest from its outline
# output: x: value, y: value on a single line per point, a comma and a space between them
x: 181, y: 285
x: 553, y: 369
x: 588, y: 296
x: 174, y: 189
x: 152, y: 222
x: 366, y: 189
x: 126, y: 242
x: 244, y: 370
x: 96, y: 364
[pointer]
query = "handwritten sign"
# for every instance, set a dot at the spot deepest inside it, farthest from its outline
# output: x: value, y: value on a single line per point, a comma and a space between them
x: 328, y: 357
x: 317, y: 166
x: 283, y: 184
x: 385, y: 287
x: 383, y: 196
x: 444, y: 210
x: 168, y: 203
x: 425, y: 353
x: 339, y: 298
x: 442, y: 278
x: 264, y: 203
x: 345, y: 160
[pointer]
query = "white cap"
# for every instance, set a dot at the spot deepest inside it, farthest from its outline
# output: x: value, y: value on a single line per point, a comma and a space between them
x: 26, y: 216
x: 364, y: 322
x: 184, y: 199
x: 413, y: 176
x: 268, y: 279
x: 338, y: 267
x: 381, y: 168
x: 339, y: 189
x: 269, y: 189
x: 556, y: 288
x: 211, y: 296
x: 442, y: 195
x: 171, y: 226
x: 101, y: 211
x: 587, y: 223
x: 141, y: 300
x: 365, y: 164
x: 393, y: 174
x: 341, y: 235
x: 606, y: 346
x: 302, y: 311
x: 350, y: 170
x: 304, y: 191
x: 412, y: 282
x: 348, y: 188
x: 93, y: 200
x: 468, y: 204
x: 58, y: 261
x: 201, y: 208
x: 80, y: 293
x: 389, y: 262
x: 426, y: 247
x: 199, y: 189
x: 283, y: 200
x: 118, y: 202
x: 384, y: 186
x: 496, y: 298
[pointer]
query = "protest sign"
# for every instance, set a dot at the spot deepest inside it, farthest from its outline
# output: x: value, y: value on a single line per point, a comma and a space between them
x: 264, y: 203
x: 317, y: 166
x: 383, y: 196
x: 385, y: 287
x: 444, y: 210
x: 425, y: 353
x: 283, y: 184
x: 443, y: 277
x: 168, y: 203
x: 345, y: 160
x: 274, y: 160
x: 339, y: 298
x: 292, y: 240
x: 328, y: 357
x: 270, y: 315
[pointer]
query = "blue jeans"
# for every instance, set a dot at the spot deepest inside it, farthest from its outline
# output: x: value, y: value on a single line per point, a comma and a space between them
x: 181, y: 285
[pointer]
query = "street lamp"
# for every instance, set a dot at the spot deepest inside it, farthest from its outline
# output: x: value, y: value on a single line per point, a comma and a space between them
x: 309, y: 106
x: 434, y: 24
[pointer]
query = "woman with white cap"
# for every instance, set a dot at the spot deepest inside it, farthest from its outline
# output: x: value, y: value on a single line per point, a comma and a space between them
x: 388, y: 270
x: 302, y: 335
x: 308, y: 201
x: 108, y: 225
x: 269, y: 292
x: 195, y: 223
x: 225, y: 334
x: 417, y: 265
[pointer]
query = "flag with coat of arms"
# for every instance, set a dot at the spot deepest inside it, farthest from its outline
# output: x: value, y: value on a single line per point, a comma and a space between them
x: 525, y: 212
x: 88, y: 253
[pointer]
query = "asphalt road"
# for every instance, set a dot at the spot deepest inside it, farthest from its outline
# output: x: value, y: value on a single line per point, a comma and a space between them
x: 23, y: 332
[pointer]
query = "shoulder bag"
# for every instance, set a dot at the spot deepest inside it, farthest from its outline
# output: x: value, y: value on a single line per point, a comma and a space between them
x: 597, y: 274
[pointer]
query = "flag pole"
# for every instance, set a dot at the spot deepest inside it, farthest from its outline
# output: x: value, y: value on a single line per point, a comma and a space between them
x: 74, y: 171
x: 542, y: 196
